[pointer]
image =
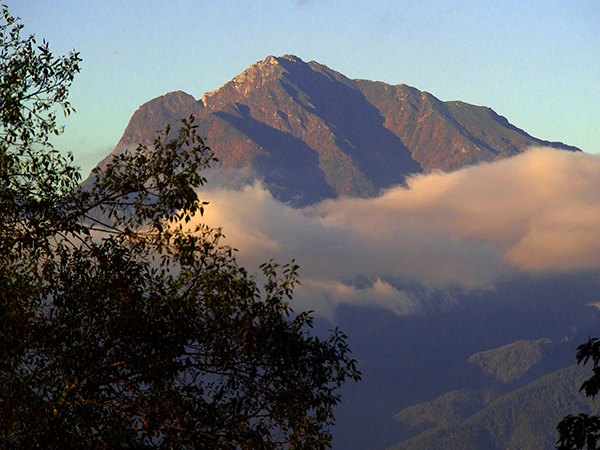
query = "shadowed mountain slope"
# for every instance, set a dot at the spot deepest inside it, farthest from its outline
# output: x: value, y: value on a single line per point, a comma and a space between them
x: 522, y: 419
x: 310, y: 133
x: 512, y: 361
x: 418, y: 369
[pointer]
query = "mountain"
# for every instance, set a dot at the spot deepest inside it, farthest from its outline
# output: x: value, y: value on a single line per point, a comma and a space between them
x: 511, y: 422
x: 477, y: 368
x: 310, y: 133
x: 512, y: 361
x: 423, y: 377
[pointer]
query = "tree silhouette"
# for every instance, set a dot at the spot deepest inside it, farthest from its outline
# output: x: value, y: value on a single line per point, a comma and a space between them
x: 121, y: 327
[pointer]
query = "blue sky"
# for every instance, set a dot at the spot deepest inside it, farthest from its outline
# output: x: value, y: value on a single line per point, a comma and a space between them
x: 536, y: 62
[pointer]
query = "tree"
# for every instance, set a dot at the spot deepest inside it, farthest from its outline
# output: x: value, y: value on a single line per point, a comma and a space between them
x: 119, y: 327
x: 582, y: 430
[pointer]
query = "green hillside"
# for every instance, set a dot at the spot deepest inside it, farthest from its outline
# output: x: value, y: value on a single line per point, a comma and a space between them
x: 512, y: 361
x: 524, y: 419
x: 450, y: 409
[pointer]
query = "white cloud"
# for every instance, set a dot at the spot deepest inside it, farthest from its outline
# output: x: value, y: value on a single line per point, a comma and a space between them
x: 539, y: 211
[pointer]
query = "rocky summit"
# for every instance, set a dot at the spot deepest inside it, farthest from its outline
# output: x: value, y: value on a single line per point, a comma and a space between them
x: 310, y: 133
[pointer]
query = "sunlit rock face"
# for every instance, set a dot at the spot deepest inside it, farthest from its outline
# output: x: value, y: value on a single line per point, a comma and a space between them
x: 310, y: 133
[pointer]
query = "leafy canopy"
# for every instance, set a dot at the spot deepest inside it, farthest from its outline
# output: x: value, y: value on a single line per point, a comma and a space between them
x: 120, y: 328
x: 582, y: 430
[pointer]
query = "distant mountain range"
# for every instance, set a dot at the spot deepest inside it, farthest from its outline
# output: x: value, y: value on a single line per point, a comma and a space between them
x: 311, y: 133
x: 523, y: 418
x: 494, y: 370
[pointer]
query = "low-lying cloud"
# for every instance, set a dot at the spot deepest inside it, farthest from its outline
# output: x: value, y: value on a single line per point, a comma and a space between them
x: 535, y: 212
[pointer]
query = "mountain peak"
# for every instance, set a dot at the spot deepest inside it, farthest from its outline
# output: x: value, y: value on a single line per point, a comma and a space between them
x: 259, y: 72
x: 251, y: 79
x: 155, y: 114
x: 311, y: 133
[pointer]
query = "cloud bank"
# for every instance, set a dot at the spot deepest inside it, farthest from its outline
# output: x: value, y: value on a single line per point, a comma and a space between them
x: 535, y: 212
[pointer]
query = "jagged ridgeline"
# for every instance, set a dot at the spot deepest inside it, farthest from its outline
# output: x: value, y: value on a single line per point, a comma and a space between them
x: 310, y: 133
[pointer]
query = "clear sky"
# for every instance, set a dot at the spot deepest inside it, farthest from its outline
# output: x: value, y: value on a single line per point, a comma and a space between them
x: 536, y: 62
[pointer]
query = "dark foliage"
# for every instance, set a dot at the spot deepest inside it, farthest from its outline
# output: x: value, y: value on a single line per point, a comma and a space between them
x: 119, y: 326
x: 583, y: 430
